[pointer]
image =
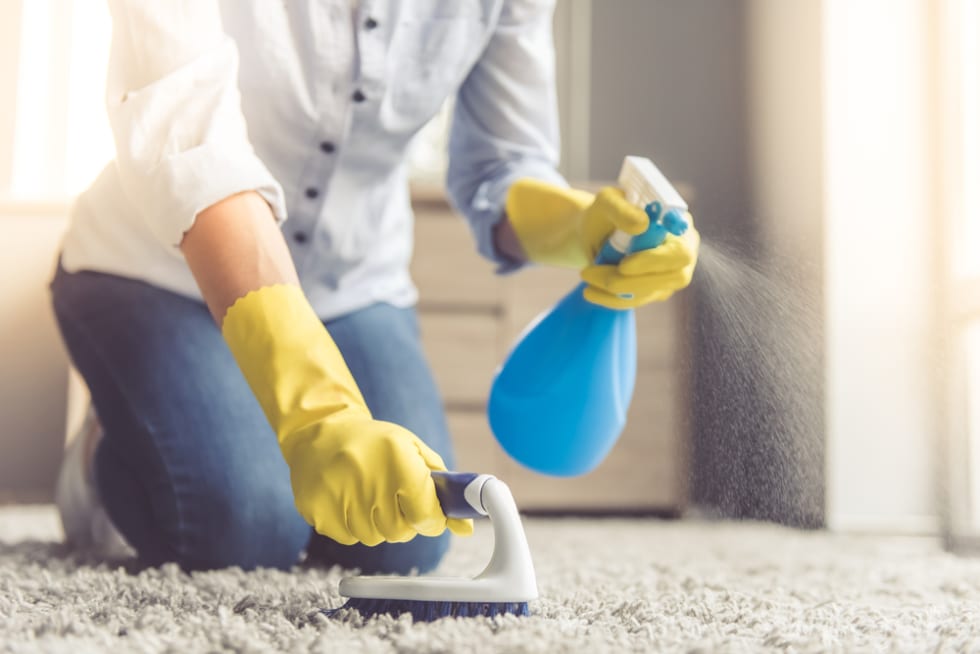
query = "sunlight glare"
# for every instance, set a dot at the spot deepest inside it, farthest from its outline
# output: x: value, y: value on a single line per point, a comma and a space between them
x: 968, y: 255
x: 30, y: 135
x: 89, y: 144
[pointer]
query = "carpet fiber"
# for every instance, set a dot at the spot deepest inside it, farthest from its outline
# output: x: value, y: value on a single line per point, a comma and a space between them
x: 606, y: 585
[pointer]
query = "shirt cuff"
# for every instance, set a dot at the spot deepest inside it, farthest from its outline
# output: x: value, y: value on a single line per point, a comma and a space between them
x: 487, y: 209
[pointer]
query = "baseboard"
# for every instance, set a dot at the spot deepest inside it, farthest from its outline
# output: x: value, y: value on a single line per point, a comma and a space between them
x: 908, y: 525
x: 38, y: 496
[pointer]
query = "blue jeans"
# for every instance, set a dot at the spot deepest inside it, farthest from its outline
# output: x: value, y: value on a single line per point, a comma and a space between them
x: 189, y: 469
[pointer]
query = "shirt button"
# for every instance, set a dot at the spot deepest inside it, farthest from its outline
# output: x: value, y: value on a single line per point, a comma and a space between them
x: 327, y: 147
x: 370, y: 24
x: 312, y: 193
x: 300, y: 237
x: 359, y: 96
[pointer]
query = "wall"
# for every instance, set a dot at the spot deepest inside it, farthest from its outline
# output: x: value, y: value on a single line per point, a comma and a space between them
x: 882, y: 441
x: 33, y: 365
x: 803, y: 126
x: 783, y: 442
x: 33, y: 376
x: 667, y: 81
x: 679, y: 81
x: 841, y: 177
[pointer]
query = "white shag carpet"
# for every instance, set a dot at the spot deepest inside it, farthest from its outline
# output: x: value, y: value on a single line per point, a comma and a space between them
x: 606, y: 586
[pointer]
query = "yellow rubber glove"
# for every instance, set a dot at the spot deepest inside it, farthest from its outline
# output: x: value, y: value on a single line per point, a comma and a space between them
x: 355, y: 479
x: 565, y: 227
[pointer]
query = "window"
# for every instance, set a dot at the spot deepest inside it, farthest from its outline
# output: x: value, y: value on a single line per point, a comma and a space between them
x: 61, y: 133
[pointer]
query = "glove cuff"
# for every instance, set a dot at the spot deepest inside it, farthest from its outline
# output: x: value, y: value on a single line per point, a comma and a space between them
x: 289, y: 359
x: 547, y: 220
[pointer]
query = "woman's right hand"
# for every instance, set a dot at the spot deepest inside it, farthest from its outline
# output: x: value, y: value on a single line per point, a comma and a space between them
x: 361, y: 480
x: 355, y: 479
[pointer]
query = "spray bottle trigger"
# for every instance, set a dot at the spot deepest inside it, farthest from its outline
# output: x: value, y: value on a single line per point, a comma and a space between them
x: 675, y: 223
x: 655, y: 233
x: 660, y: 225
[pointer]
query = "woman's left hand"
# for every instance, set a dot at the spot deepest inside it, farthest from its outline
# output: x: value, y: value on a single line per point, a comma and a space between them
x: 646, y: 276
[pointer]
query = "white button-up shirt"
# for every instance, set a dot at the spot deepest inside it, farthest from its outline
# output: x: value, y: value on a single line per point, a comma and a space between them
x: 312, y: 103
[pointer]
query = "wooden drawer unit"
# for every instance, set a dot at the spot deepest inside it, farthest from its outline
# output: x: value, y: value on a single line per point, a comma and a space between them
x: 470, y: 319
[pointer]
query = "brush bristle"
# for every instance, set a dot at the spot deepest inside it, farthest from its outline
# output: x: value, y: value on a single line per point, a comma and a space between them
x: 427, y: 611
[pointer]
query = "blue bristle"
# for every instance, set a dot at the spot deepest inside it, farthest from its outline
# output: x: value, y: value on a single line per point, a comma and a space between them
x: 425, y: 611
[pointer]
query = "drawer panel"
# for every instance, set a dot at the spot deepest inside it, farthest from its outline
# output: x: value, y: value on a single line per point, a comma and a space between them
x: 446, y: 266
x: 462, y: 349
x: 476, y: 448
x: 660, y: 340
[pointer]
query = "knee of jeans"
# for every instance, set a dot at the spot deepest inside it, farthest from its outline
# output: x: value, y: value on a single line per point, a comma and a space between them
x: 249, y: 525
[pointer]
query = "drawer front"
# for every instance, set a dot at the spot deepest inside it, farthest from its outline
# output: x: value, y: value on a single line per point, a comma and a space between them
x: 476, y: 448
x: 446, y: 266
x: 463, y: 352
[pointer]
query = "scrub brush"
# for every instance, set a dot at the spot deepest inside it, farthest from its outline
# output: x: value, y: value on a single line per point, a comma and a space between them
x: 505, y: 585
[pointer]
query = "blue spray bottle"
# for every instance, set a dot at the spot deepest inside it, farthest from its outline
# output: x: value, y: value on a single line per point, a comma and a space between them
x: 559, y: 401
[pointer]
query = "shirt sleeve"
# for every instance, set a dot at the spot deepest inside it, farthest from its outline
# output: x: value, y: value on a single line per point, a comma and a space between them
x: 505, y: 121
x: 175, y: 112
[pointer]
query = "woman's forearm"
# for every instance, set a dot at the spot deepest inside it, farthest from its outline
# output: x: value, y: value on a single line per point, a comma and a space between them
x: 235, y: 247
